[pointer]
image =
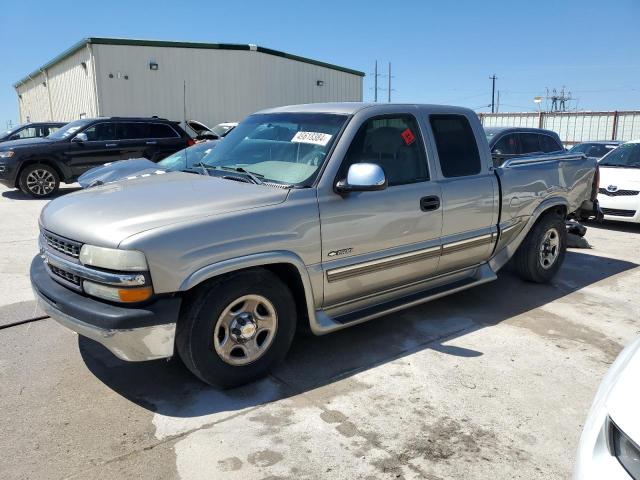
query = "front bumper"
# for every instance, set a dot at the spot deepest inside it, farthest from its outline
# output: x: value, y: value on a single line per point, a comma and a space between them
x: 131, y: 333
x: 8, y: 174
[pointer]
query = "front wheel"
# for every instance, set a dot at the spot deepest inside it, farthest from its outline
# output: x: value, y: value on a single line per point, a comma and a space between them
x: 541, y: 254
x: 236, y: 327
x: 39, y: 180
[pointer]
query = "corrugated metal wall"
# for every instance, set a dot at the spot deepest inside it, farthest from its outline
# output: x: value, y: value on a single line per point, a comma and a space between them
x: 33, y: 100
x: 63, y: 92
x: 221, y: 85
x: 573, y: 127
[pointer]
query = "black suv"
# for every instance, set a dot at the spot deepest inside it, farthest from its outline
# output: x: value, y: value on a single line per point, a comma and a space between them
x: 30, y: 130
x: 38, y: 165
x: 512, y: 142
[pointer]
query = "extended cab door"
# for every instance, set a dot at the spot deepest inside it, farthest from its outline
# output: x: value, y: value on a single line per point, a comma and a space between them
x: 470, y: 195
x: 379, y: 240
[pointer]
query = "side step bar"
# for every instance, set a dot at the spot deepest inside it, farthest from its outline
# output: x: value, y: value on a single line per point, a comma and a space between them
x: 326, y: 324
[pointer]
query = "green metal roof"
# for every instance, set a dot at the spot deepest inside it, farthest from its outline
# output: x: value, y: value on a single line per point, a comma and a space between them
x: 163, y: 43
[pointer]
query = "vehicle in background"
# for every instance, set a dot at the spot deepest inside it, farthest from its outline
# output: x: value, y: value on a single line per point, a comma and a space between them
x: 205, y: 133
x: 512, y: 142
x: 609, y: 447
x: 596, y: 149
x: 619, y: 193
x: 320, y: 215
x: 30, y: 130
x: 183, y: 160
x: 38, y: 165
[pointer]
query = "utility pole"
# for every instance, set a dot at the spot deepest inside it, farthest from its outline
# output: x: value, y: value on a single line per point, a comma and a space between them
x: 375, y: 88
x: 498, y: 102
x: 493, y: 92
x: 389, y: 85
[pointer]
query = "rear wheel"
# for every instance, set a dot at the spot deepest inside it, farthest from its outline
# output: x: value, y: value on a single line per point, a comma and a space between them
x: 39, y: 180
x: 541, y: 254
x: 236, y: 327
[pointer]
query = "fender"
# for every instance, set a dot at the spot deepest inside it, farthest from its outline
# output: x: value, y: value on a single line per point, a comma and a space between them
x: 256, y: 260
x: 504, y: 255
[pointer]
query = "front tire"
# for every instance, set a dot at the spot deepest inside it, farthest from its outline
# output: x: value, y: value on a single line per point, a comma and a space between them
x: 39, y: 180
x: 235, y: 328
x: 541, y: 254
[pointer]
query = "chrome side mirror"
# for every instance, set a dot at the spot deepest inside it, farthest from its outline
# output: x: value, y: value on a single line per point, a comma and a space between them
x: 363, y: 177
x: 80, y: 138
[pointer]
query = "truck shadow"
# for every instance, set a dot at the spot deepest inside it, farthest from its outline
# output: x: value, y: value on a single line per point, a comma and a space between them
x: 168, y: 389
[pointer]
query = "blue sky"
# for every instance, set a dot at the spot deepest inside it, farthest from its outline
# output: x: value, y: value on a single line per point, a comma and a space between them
x: 441, y: 51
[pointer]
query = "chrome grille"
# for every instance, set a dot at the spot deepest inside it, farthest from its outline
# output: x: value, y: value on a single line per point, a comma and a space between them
x: 619, y: 193
x: 62, y: 245
x: 68, y: 276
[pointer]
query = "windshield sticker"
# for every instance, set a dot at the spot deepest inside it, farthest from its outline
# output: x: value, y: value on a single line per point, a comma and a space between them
x: 315, y: 138
x: 408, y: 136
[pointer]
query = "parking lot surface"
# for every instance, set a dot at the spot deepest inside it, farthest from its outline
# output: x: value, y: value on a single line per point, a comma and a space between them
x: 494, y: 382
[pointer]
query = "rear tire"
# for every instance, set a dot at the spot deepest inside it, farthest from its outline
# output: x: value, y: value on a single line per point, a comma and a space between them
x: 39, y: 180
x: 542, y: 252
x: 236, y: 327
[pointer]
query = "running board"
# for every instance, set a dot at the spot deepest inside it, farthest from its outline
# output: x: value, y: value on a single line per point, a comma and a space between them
x: 326, y: 324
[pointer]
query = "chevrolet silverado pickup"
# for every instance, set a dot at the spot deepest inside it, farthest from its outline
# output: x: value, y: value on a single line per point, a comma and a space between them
x: 315, y: 216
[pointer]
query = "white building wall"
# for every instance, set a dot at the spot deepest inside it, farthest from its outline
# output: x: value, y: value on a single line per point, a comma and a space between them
x: 72, y: 88
x: 63, y: 92
x: 33, y: 100
x: 221, y: 85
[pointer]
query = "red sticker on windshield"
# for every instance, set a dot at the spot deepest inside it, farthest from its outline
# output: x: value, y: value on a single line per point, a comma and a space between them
x: 408, y: 136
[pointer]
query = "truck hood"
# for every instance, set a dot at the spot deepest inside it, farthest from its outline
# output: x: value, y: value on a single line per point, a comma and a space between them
x: 111, y: 172
x: 108, y: 214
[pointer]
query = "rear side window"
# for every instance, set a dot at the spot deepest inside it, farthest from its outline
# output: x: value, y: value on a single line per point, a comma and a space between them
x: 133, y: 131
x: 549, y: 144
x: 160, y: 130
x: 456, y: 144
x: 530, y: 142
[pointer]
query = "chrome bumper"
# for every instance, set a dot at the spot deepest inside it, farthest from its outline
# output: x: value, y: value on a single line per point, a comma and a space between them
x: 132, y: 345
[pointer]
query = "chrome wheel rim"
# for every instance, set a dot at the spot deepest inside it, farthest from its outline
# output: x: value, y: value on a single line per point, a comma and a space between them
x: 41, y: 182
x: 549, y: 248
x: 245, y: 330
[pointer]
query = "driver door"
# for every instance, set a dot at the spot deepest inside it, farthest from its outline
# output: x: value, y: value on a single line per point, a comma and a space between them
x: 377, y: 240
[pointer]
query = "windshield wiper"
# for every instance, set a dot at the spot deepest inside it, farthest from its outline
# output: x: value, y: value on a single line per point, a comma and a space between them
x: 254, y: 177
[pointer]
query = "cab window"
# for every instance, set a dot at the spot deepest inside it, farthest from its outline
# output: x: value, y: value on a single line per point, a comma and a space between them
x: 456, y: 144
x: 395, y: 144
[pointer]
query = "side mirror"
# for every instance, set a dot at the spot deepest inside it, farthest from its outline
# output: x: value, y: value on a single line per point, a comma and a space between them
x: 363, y: 177
x: 80, y: 138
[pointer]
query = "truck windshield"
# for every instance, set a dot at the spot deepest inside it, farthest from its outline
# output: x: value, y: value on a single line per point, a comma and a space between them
x: 287, y: 148
x: 627, y: 156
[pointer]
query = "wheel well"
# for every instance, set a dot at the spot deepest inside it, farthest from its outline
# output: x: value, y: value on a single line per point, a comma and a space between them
x: 289, y: 275
x: 34, y: 162
x: 559, y: 210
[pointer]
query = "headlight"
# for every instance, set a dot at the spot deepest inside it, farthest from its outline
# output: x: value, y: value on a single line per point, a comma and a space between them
x: 625, y: 450
x: 7, y: 154
x: 115, y: 294
x: 113, y: 258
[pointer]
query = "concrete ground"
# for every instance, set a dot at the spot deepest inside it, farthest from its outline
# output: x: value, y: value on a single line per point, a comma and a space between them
x: 494, y: 382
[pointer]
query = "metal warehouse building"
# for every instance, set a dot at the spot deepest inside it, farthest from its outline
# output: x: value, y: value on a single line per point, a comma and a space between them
x: 209, y: 82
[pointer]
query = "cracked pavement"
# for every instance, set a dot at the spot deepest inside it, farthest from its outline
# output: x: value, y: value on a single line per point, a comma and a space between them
x: 494, y: 382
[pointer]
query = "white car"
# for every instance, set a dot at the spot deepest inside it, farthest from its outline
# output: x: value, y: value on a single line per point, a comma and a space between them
x: 609, y: 446
x: 619, y: 193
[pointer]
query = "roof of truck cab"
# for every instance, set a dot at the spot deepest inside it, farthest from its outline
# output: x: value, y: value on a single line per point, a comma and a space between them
x: 350, y: 108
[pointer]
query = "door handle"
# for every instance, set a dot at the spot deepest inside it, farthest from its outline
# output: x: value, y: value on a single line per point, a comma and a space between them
x: 111, y: 145
x: 152, y: 142
x: 429, y: 203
